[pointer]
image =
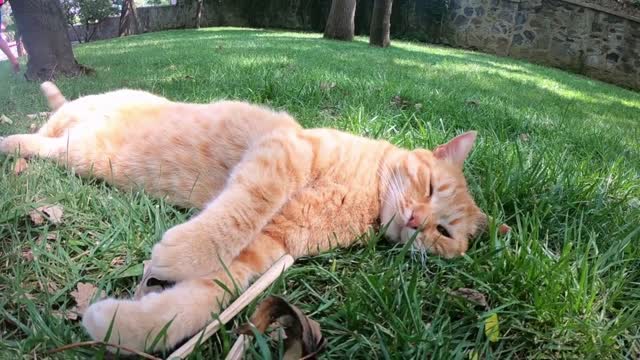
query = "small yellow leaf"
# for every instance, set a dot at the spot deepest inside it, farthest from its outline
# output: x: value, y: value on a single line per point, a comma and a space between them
x: 492, y: 328
x: 473, y: 355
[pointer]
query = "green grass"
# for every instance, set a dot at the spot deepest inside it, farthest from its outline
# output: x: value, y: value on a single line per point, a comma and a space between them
x: 557, y: 159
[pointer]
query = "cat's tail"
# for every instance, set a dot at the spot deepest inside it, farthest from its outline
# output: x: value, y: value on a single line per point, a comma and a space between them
x: 53, y: 94
x: 159, y: 321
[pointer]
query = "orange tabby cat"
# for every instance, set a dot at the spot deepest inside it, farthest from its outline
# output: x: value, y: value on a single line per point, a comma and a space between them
x: 265, y: 187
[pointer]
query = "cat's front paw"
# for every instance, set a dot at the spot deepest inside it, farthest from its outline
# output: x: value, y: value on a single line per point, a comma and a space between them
x: 185, y: 252
x: 9, y: 144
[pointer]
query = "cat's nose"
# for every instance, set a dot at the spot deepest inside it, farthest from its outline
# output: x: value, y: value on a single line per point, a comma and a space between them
x: 413, y: 222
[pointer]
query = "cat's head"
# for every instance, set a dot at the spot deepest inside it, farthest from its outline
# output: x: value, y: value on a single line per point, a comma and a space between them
x: 427, y: 196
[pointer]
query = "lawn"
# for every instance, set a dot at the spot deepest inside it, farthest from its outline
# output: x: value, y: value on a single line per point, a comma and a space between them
x: 557, y: 159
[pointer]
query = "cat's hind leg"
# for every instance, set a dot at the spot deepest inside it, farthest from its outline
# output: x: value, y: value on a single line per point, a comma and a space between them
x: 30, y: 145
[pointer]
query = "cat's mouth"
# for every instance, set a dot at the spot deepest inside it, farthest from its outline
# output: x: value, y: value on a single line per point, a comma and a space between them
x: 408, y: 233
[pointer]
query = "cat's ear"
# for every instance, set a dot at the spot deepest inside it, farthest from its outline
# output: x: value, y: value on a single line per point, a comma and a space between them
x: 457, y: 149
x: 53, y: 94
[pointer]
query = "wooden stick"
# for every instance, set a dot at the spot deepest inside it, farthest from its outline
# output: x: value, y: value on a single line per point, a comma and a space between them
x: 237, y: 350
x: 232, y: 310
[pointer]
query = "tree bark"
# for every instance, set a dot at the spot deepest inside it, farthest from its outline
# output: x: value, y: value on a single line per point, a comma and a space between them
x: 199, y: 7
x: 380, y: 23
x: 129, y: 24
x: 44, y: 34
x: 340, y: 24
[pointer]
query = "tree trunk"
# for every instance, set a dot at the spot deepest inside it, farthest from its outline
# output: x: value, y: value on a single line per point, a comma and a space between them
x: 340, y: 24
x: 129, y: 24
x: 44, y: 34
x: 199, y: 8
x: 380, y: 23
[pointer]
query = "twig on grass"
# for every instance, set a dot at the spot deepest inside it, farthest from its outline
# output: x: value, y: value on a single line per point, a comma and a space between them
x: 237, y: 350
x: 235, y: 307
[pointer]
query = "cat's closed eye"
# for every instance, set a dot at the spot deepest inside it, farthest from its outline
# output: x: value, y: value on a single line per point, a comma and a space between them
x: 443, y: 231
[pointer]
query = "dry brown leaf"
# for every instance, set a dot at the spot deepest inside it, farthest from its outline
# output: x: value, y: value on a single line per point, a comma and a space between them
x: 66, y: 314
x: 303, y: 335
x: 117, y: 261
x: 20, y: 166
x: 27, y: 254
x: 4, y: 119
x: 400, y: 102
x: 83, y: 295
x: 326, y: 86
x: 53, y: 213
x: 472, y: 295
x: 49, y: 286
x: 48, y: 236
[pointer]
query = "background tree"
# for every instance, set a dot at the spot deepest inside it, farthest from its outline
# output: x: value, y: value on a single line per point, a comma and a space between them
x: 199, y: 8
x: 380, y: 23
x: 340, y: 24
x: 89, y: 13
x: 129, y: 24
x: 44, y: 33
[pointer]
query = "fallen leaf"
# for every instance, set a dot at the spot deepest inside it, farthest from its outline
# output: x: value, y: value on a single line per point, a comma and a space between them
x: 492, y: 328
x: 68, y: 314
x: 117, y: 261
x: 303, y: 335
x: 53, y: 213
x: 400, y: 102
x: 49, y: 286
x: 326, y: 86
x: 27, y: 254
x: 83, y: 295
x: 20, y: 166
x: 48, y: 236
x: 472, y: 102
x: 4, y: 119
x: 471, y: 295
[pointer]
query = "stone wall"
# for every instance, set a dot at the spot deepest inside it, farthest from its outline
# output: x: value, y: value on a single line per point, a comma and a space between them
x: 561, y: 33
x: 597, y: 38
